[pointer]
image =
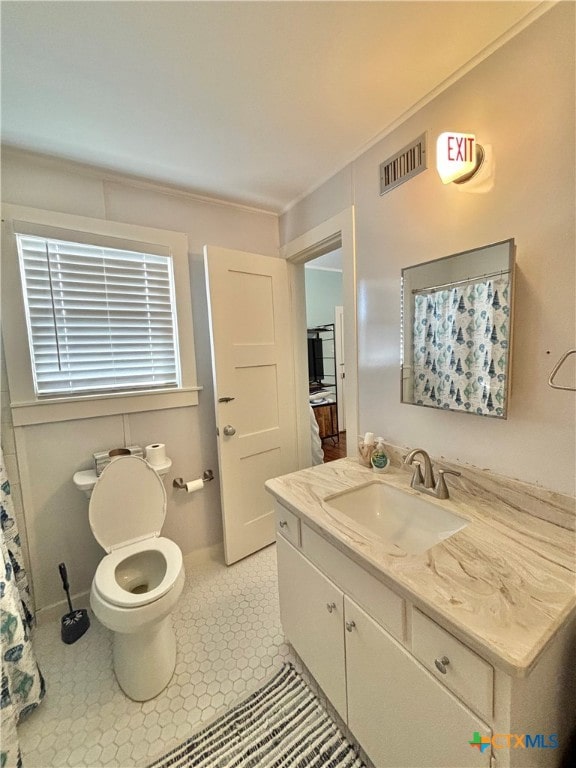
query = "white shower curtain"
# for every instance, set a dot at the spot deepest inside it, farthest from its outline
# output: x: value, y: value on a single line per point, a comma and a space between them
x: 461, y: 341
x: 22, y: 682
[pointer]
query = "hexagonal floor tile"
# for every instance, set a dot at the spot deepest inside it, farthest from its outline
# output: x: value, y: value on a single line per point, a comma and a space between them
x: 229, y: 639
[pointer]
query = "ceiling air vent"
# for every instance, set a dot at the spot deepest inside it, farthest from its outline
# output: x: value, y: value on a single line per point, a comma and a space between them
x: 402, y: 166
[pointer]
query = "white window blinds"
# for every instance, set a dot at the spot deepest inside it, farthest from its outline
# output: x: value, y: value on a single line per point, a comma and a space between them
x: 99, y: 319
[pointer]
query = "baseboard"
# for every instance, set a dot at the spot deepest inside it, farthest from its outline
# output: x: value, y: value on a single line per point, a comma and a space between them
x: 59, y: 609
x: 214, y: 553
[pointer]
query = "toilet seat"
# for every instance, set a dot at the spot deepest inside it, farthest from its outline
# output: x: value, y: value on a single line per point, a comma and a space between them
x: 105, y: 577
x: 128, y: 503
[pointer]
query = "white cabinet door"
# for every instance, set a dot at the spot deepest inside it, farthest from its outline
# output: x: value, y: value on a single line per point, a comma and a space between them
x: 400, y: 714
x: 312, y: 610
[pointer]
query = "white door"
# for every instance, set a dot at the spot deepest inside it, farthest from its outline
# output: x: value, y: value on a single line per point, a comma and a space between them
x: 340, y: 365
x: 252, y: 363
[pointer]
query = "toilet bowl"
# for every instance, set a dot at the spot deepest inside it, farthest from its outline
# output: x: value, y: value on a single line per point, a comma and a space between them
x: 139, y: 581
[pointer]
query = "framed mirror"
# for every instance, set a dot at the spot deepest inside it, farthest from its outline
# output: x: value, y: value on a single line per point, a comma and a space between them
x: 457, y: 331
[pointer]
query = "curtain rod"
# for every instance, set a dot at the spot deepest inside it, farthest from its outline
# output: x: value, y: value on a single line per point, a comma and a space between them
x: 461, y: 282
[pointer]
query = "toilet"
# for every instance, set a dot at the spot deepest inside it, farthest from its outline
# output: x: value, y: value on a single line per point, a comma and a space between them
x: 138, y: 583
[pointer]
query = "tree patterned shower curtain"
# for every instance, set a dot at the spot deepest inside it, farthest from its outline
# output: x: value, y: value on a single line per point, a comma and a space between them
x: 461, y: 341
x: 22, y: 682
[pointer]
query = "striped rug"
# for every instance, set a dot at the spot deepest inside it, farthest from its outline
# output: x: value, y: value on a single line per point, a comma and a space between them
x: 282, y: 725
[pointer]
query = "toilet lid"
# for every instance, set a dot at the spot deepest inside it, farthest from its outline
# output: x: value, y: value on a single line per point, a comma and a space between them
x: 128, y: 503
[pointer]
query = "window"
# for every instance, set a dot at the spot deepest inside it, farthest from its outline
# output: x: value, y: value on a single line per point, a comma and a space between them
x: 99, y: 319
x: 96, y: 317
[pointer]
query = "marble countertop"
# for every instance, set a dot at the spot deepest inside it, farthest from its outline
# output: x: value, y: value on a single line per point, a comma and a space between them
x: 504, y: 585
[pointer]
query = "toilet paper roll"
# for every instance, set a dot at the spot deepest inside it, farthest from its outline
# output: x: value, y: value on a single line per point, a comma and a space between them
x: 156, y: 454
x: 194, y: 485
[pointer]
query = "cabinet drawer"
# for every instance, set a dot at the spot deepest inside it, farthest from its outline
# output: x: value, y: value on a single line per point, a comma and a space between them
x: 384, y: 605
x: 288, y: 524
x: 469, y: 676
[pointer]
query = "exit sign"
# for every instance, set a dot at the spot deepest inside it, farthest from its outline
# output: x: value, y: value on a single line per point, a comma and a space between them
x: 455, y: 155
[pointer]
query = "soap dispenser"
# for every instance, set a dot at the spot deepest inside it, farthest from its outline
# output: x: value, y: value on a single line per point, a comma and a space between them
x: 379, y: 459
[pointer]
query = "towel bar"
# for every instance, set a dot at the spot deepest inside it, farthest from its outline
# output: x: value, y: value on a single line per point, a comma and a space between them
x: 557, y: 367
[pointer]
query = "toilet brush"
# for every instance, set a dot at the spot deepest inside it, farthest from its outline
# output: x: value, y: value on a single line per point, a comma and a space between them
x: 75, y: 623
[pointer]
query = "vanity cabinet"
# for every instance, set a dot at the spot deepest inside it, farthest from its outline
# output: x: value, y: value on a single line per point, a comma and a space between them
x: 399, y: 713
x: 470, y: 642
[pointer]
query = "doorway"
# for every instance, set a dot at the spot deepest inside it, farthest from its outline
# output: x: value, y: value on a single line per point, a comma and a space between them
x: 326, y: 365
x: 334, y: 233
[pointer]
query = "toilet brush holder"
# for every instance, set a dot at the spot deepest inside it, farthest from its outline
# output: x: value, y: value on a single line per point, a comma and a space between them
x: 75, y: 623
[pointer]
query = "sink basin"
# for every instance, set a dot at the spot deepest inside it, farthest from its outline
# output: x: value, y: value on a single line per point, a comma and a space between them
x: 410, y: 522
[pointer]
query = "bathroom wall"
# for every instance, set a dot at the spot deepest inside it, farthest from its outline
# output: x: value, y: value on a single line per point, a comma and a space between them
x: 521, y: 101
x: 56, y: 513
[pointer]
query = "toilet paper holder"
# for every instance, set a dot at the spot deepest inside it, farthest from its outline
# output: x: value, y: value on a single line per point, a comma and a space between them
x: 179, y: 483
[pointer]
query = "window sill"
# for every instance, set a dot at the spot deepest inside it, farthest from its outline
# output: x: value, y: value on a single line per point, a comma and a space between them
x: 92, y: 406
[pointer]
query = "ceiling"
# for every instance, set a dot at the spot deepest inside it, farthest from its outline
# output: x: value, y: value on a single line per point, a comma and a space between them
x: 253, y: 102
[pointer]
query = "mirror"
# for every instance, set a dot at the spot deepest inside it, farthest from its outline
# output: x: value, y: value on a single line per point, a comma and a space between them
x: 457, y: 330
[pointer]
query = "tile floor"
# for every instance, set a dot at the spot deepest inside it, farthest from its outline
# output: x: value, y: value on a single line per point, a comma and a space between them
x: 229, y: 640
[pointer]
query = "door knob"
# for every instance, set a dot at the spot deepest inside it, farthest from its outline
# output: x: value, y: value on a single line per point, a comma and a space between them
x: 350, y: 625
x: 229, y: 430
x: 441, y: 664
x: 331, y: 607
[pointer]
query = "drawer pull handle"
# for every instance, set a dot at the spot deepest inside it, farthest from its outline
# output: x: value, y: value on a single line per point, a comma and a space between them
x: 331, y: 607
x: 283, y: 524
x: 350, y: 625
x: 441, y: 664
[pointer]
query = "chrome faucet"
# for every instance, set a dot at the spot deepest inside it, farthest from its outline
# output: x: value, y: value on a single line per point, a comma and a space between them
x: 428, y: 484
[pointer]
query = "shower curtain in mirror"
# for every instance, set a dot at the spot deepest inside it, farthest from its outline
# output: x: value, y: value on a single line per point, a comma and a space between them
x: 22, y: 683
x: 461, y: 340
